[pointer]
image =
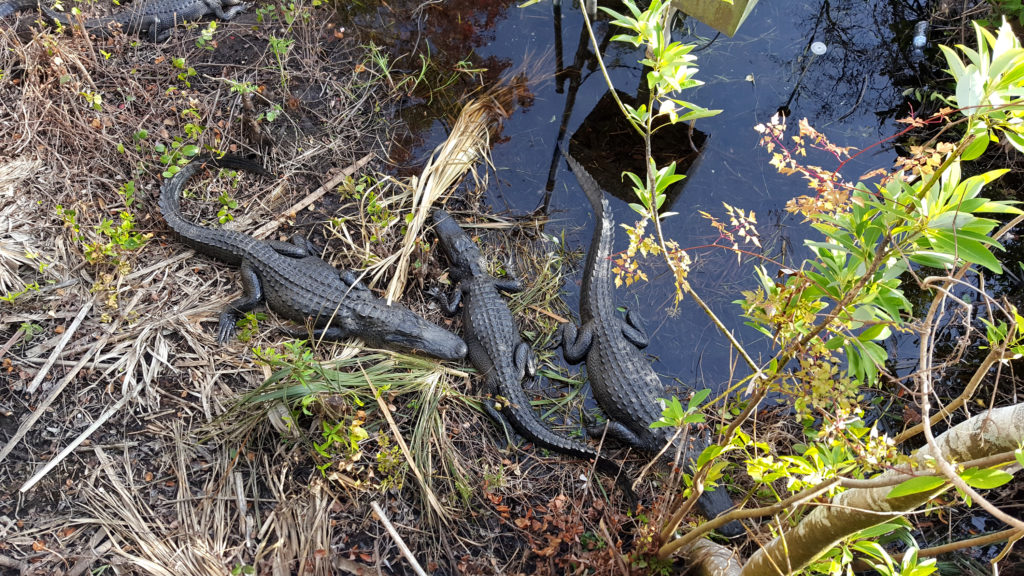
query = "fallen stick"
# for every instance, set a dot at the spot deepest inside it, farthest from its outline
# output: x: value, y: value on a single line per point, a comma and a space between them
x: 269, y: 227
x: 7, y: 562
x: 15, y: 338
x: 397, y: 538
x: 81, y: 438
x: 59, y: 348
x: 41, y: 408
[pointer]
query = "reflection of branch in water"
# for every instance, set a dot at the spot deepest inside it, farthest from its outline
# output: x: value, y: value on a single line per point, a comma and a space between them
x: 810, y: 40
x: 575, y: 75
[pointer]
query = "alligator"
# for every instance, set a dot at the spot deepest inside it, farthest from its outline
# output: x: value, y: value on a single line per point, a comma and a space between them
x: 11, y: 6
x: 149, y: 18
x: 297, y: 284
x: 622, y: 379
x: 496, y: 349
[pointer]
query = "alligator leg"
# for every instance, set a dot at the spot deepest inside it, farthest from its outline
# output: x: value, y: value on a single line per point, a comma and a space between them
x: 216, y: 7
x: 252, y: 294
x: 509, y: 285
x: 499, y: 420
x: 449, y: 304
x: 525, y: 361
x: 299, y: 247
x: 619, y: 432
x: 353, y: 281
x: 633, y: 330
x: 575, y: 341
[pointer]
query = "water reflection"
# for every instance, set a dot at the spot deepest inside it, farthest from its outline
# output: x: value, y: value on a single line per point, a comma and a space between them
x: 852, y: 92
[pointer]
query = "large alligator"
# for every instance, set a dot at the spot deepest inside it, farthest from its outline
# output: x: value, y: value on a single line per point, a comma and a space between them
x: 148, y: 18
x: 298, y: 285
x: 496, y: 349
x: 624, y: 383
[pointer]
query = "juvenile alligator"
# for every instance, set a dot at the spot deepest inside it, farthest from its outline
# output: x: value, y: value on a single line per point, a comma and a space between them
x: 149, y: 18
x: 624, y: 383
x: 298, y: 285
x: 495, y: 348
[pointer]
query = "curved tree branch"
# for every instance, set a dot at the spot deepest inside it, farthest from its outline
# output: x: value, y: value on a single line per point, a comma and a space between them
x: 991, y: 432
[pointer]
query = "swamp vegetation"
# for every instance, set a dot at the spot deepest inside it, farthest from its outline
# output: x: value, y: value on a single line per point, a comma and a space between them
x: 132, y: 443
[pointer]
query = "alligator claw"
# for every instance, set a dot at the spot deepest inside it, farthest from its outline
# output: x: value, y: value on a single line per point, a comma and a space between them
x: 225, y: 328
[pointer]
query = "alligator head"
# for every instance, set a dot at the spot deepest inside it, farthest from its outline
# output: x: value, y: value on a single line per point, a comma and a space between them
x: 401, y: 328
x: 464, y: 254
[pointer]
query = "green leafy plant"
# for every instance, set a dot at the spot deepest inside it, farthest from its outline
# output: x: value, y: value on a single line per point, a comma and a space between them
x: 174, y: 156
x: 186, y: 72
x: 13, y: 295
x: 280, y: 47
x: 205, y: 40
x: 828, y: 317
x: 670, y: 71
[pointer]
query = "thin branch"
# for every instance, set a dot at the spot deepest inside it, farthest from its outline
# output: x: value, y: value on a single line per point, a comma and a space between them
x: 795, y: 500
x: 1008, y: 534
x: 994, y: 355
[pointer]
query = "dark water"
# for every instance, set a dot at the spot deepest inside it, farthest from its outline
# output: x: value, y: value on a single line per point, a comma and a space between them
x: 852, y: 93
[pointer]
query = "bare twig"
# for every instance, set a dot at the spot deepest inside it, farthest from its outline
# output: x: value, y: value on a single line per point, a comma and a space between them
x: 397, y: 538
x: 59, y: 348
x: 269, y: 227
x: 78, y: 441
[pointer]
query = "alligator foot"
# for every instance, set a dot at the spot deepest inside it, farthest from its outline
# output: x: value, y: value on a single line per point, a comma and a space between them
x: 633, y: 330
x: 252, y: 294
x: 576, y: 341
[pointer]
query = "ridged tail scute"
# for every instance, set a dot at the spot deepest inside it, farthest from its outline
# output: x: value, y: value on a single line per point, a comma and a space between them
x: 590, y: 186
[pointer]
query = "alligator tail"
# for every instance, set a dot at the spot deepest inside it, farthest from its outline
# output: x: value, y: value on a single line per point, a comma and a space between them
x: 170, y: 206
x: 12, y: 6
x: 170, y: 192
x: 590, y: 186
x: 716, y: 503
x: 529, y: 426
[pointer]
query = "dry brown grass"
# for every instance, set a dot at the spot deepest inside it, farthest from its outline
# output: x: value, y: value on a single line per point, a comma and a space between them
x: 115, y: 455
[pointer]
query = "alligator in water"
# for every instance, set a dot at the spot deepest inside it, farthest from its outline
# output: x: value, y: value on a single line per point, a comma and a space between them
x: 496, y: 349
x: 298, y: 285
x: 152, y: 19
x: 624, y: 383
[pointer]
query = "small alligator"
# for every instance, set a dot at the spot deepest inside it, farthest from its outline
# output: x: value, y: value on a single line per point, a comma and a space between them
x: 496, y: 349
x: 624, y: 383
x: 149, y: 18
x: 297, y: 284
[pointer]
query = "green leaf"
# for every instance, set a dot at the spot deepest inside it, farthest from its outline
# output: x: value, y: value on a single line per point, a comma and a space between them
x: 874, y: 332
x: 916, y: 485
x: 1019, y: 455
x: 970, y: 250
x: 698, y: 398
x: 985, y: 478
x: 708, y: 454
x: 933, y: 259
x: 976, y: 148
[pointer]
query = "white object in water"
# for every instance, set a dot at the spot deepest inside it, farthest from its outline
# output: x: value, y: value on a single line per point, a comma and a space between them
x: 921, y: 34
x: 818, y: 48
